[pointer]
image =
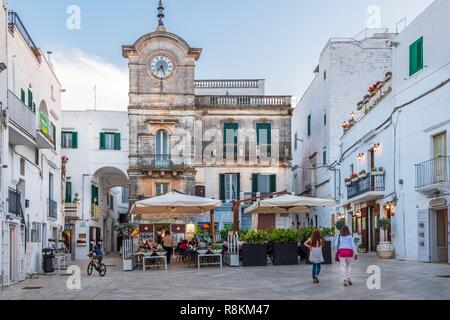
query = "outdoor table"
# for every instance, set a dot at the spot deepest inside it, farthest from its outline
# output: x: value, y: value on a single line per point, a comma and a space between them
x: 199, y: 262
x: 155, y: 258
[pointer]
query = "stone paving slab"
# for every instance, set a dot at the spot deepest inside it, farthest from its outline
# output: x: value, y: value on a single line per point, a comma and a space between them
x: 399, y: 280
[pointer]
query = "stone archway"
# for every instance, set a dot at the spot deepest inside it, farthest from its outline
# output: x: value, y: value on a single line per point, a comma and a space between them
x: 108, y: 184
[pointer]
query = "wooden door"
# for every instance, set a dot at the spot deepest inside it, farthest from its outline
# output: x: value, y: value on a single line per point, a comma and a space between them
x: 364, y: 228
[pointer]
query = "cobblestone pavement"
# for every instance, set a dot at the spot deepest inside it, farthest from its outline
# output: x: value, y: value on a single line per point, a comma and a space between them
x: 399, y: 280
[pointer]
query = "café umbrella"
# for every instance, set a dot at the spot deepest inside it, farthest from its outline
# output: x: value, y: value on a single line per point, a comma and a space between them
x: 173, y: 205
x: 288, y: 204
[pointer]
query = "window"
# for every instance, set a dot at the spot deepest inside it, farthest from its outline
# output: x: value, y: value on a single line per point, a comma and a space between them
x: 264, y: 138
x: 68, y: 192
x: 325, y: 75
x: 36, y: 156
x: 230, y: 186
x: 94, y: 195
x: 230, y: 139
x: 309, y: 125
x: 30, y: 99
x: 416, y: 56
x: 50, y: 186
x: 110, y: 141
x: 22, y: 95
x: 324, y: 156
x: 264, y: 183
x: 161, y: 189
x: 22, y: 167
x: 162, y: 143
x: 325, y: 118
x: 111, y: 202
x: 124, y: 195
x: 69, y: 140
x: 35, y: 232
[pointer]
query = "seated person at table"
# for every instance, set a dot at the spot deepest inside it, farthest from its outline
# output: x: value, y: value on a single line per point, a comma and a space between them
x: 208, y: 239
x: 184, y: 244
x: 194, y: 242
x: 202, y: 244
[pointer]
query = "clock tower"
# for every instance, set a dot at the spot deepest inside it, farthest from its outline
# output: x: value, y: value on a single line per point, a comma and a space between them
x: 161, y: 112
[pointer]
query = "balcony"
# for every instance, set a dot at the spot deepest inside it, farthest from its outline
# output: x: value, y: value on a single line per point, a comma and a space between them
x: 432, y: 177
x: 46, y: 133
x: 243, y: 101
x: 14, y: 205
x: 72, y: 211
x: 163, y: 162
x: 95, y: 212
x: 367, y: 188
x: 22, y: 120
x: 52, y: 209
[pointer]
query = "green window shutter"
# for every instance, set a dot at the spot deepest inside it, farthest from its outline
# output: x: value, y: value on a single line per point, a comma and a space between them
x: 30, y: 99
x: 416, y: 56
x: 222, y: 187
x: 238, y: 186
x: 117, y: 141
x: 102, y: 141
x: 74, y: 140
x: 22, y: 95
x: 68, y: 191
x: 255, y: 182
x: 273, y: 183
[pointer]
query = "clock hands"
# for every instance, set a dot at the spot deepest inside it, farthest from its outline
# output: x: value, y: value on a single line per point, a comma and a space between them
x: 162, y: 69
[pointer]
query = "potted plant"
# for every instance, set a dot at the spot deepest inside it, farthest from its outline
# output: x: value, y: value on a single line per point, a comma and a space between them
x: 385, y: 249
x: 362, y: 173
x: 355, y: 177
x: 381, y: 171
x: 217, y: 249
x: 76, y: 198
x: 254, y: 248
x: 348, y: 182
x: 284, y: 243
x: 362, y: 248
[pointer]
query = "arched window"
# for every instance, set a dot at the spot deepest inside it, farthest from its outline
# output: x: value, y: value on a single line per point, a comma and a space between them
x: 162, y: 151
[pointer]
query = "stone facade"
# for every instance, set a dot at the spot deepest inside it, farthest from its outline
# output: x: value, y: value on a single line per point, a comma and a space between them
x: 194, y: 114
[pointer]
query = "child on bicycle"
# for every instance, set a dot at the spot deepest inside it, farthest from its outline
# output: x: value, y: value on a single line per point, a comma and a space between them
x: 97, y: 253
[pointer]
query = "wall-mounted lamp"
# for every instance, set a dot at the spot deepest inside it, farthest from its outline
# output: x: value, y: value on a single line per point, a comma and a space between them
x: 376, y: 146
x: 360, y: 156
x: 390, y: 206
x: 2, y: 67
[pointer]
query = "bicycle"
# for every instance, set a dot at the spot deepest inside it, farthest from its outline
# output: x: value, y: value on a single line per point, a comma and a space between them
x: 99, y: 266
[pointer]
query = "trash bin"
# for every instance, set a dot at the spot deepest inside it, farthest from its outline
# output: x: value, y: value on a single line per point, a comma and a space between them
x: 48, y: 255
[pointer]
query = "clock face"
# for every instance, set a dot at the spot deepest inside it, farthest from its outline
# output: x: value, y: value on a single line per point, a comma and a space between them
x: 161, y: 67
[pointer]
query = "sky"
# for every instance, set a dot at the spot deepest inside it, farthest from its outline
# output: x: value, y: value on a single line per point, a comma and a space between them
x: 276, y: 40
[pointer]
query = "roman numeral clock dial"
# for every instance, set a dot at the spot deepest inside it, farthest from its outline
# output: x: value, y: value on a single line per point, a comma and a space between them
x: 161, y: 67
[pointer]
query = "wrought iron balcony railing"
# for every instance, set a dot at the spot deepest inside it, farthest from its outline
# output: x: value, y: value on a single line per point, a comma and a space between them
x: 369, y: 183
x: 432, y: 172
x: 163, y: 161
x: 241, y: 101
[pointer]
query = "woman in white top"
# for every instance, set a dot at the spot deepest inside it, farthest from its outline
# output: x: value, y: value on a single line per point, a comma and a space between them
x: 346, y: 251
x: 315, y: 245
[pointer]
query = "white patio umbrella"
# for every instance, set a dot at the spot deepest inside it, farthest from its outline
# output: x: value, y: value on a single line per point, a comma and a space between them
x: 287, y: 203
x: 173, y: 205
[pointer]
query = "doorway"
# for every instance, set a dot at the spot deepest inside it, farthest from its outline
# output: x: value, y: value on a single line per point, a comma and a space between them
x: 440, y: 236
x: 13, y: 259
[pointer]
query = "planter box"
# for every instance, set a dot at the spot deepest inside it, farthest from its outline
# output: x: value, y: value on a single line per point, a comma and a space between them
x: 254, y: 255
x: 231, y: 260
x: 285, y: 254
x: 128, y: 264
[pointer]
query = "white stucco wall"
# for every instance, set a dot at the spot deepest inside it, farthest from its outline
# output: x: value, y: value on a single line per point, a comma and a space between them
x: 350, y: 67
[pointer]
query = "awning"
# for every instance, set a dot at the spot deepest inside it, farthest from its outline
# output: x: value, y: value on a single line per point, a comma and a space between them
x: 287, y: 203
x: 173, y: 205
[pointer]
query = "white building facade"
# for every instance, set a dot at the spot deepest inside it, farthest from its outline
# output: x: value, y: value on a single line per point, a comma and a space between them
x: 422, y: 100
x: 96, y: 145
x: 346, y: 68
x: 31, y: 163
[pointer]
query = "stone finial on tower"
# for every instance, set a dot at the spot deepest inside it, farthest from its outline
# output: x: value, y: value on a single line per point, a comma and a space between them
x: 161, y: 16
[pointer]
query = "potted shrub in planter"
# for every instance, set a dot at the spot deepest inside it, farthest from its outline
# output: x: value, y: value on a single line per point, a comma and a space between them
x: 380, y: 171
x: 388, y: 76
x: 354, y: 177
x: 254, y: 249
x: 327, y: 234
x: 285, y: 242
x: 362, y: 173
x: 360, y: 105
x: 348, y: 182
x: 385, y: 249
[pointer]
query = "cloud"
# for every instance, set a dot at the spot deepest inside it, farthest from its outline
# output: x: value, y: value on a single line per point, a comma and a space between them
x: 80, y: 72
